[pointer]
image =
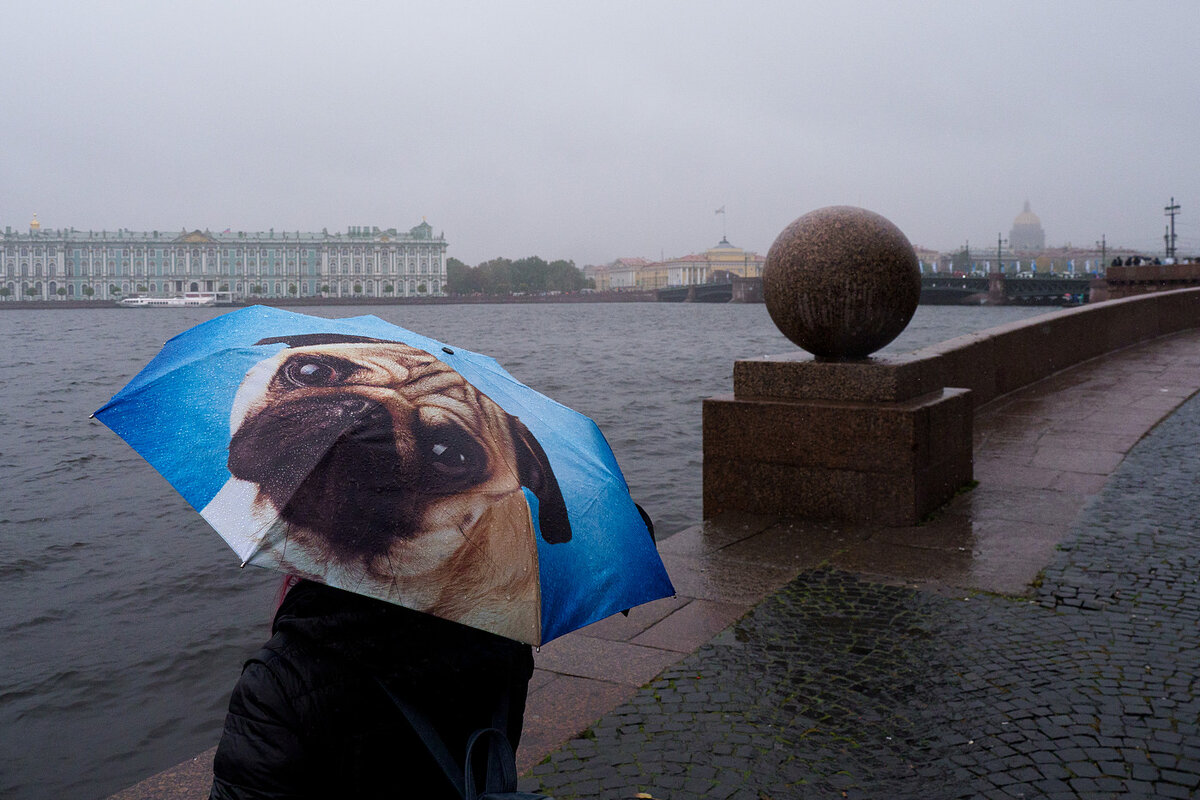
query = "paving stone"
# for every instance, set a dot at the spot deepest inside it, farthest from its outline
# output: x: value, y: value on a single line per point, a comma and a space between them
x: 1170, y: 790
x: 838, y: 683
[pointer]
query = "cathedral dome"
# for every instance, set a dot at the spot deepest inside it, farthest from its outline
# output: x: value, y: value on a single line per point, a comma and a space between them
x: 1027, y: 233
x: 1027, y: 217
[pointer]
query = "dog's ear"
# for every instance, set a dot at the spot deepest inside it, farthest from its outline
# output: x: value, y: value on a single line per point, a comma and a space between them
x: 312, y: 339
x: 534, y: 471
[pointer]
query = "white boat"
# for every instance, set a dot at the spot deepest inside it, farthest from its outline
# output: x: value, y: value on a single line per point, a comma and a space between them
x: 185, y: 300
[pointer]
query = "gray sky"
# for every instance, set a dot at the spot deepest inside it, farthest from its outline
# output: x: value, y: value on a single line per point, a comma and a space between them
x: 592, y: 130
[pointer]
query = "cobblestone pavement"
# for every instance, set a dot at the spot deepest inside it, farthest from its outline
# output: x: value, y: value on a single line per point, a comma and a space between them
x: 837, y: 686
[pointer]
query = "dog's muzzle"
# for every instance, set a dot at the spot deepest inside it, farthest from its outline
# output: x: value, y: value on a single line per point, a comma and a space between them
x: 337, y: 466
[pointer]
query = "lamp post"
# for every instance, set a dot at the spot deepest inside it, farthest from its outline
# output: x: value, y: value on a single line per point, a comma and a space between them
x: 1000, y: 249
x: 1169, y: 236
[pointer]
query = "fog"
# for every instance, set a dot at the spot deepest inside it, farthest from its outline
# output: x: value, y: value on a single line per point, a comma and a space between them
x: 590, y: 131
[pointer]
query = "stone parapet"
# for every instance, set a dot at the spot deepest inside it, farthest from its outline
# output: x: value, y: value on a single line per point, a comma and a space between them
x: 1131, y: 281
x: 889, y: 439
x: 1003, y: 359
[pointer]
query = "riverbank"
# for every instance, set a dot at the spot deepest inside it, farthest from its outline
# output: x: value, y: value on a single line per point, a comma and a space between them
x: 1035, y: 634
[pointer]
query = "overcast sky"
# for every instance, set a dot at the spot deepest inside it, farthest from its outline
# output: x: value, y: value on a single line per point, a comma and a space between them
x: 594, y: 130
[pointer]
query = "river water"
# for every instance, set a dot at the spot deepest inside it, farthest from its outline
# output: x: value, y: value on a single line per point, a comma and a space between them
x: 125, y: 619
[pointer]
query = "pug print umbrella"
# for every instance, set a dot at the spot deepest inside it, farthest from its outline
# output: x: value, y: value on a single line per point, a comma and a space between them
x: 363, y: 455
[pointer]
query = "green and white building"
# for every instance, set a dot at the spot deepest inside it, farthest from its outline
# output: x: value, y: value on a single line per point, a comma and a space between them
x: 49, y: 264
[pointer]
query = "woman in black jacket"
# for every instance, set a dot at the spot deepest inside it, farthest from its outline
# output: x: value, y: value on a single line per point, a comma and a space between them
x: 309, y: 717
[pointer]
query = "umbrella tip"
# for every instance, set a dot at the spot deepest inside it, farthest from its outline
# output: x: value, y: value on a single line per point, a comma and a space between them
x: 243, y: 565
x: 91, y: 416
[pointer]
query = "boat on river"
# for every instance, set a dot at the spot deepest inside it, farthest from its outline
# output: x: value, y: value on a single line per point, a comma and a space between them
x: 185, y: 300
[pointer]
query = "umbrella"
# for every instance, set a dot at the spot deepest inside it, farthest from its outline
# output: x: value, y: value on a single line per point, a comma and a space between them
x: 371, y: 458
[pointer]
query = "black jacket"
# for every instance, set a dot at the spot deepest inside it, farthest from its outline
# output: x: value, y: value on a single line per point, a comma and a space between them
x: 308, y: 719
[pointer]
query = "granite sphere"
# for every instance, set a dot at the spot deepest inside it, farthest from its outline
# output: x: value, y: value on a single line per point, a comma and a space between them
x: 841, y: 282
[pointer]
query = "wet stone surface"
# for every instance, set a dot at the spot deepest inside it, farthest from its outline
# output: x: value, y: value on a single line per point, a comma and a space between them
x: 840, y: 687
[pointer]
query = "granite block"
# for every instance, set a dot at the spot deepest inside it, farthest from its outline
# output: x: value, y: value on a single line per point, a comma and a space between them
x: 884, y: 462
x: 603, y: 659
x: 799, y: 376
x: 809, y: 493
x: 622, y: 628
x: 715, y: 534
x: 691, y: 626
x: 725, y: 580
x: 816, y: 433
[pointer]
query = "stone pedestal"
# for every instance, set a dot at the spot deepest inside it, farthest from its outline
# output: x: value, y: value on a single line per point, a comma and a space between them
x: 864, y: 441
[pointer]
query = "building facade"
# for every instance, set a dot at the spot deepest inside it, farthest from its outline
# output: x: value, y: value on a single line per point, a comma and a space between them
x: 620, y: 274
x: 715, y: 264
x: 362, y: 262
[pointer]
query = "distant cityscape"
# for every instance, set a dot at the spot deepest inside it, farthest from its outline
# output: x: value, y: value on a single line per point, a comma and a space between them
x: 1024, y: 251
x: 369, y: 262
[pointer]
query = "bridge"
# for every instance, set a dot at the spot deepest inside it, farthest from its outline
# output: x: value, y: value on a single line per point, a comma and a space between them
x: 1000, y: 289
x: 697, y: 293
x: 947, y: 289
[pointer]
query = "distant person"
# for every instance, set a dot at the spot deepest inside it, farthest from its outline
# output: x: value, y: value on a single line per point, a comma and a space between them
x: 310, y: 718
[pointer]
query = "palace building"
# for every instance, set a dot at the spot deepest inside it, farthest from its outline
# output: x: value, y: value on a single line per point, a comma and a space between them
x: 362, y: 262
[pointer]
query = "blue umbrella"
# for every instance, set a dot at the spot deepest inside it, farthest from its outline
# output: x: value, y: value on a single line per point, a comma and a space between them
x: 363, y: 455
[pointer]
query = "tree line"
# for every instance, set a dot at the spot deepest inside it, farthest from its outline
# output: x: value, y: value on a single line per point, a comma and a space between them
x: 531, y: 275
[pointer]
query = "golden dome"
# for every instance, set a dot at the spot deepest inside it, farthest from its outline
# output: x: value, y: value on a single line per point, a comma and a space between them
x: 1027, y: 217
x: 34, y: 225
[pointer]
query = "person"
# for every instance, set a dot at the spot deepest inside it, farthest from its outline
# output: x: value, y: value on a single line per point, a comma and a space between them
x: 310, y: 716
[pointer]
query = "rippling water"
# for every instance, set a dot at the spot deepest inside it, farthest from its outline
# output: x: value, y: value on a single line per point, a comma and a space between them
x: 125, y: 619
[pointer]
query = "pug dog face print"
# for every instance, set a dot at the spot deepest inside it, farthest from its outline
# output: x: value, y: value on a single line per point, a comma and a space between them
x: 373, y: 466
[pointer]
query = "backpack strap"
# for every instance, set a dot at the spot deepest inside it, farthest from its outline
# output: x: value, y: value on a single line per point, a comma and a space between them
x: 501, y: 772
x: 433, y: 742
x: 502, y: 763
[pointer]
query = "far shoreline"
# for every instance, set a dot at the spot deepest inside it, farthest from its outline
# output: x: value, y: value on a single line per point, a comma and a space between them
x: 475, y: 299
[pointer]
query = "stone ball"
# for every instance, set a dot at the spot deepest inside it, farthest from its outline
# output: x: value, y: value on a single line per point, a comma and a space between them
x: 841, y: 282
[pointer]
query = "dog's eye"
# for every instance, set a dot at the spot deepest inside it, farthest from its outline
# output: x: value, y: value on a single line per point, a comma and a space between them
x: 443, y: 453
x: 312, y: 372
x: 452, y: 454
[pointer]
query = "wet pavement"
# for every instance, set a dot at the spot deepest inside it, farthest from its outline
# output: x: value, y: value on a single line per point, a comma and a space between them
x: 1035, y: 638
x: 1071, y: 670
